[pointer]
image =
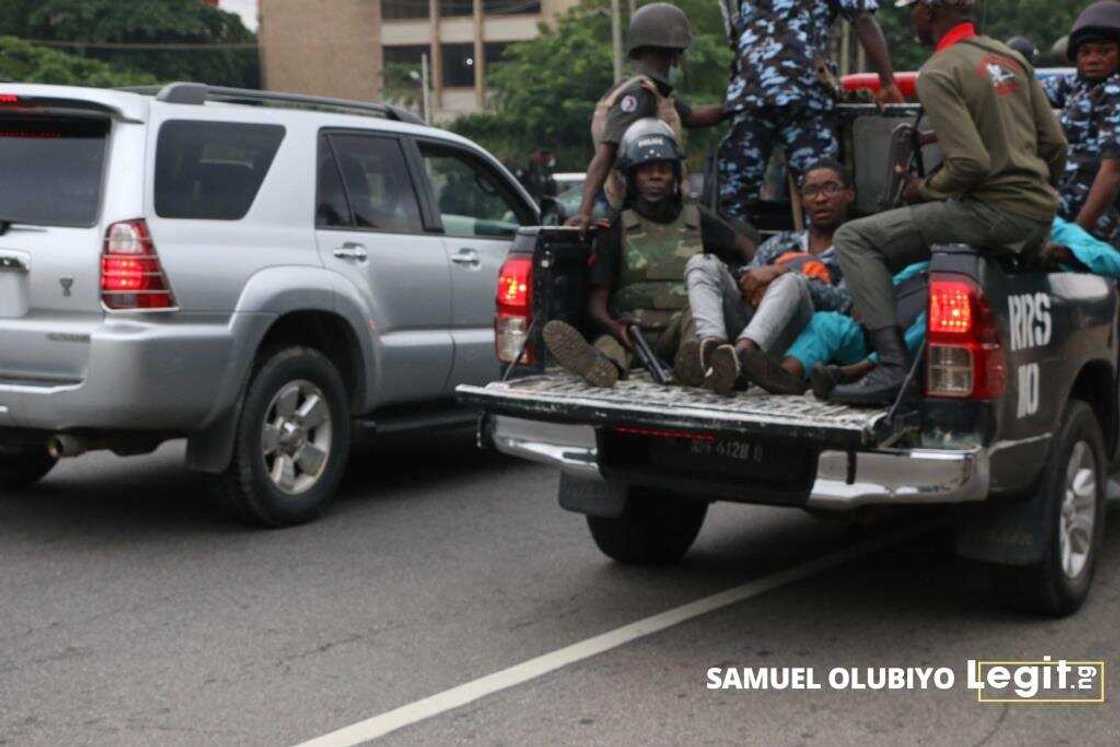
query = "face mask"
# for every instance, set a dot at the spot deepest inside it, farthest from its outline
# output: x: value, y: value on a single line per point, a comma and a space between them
x: 676, y: 75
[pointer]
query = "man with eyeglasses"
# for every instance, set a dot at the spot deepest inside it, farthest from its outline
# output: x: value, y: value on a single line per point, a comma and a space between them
x: 789, y: 277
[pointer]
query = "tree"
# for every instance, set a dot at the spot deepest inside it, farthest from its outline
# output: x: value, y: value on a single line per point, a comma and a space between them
x: 27, y: 63
x: 143, y: 21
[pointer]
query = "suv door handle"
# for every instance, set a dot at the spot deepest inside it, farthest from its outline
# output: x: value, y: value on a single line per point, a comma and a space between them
x: 466, y: 258
x: 353, y: 251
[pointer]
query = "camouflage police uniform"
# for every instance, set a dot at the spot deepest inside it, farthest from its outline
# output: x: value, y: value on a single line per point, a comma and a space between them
x: 777, y: 93
x: 1091, y: 121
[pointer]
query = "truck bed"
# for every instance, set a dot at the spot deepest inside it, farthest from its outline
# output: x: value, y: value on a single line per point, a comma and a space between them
x: 562, y: 398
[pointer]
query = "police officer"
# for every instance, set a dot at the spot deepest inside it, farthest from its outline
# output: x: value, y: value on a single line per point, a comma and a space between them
x: 657, y: 39
x: 1090, y: 104
x: 1003, y: 149
x: 637, y: 276
x: 1024, y: 46
x: 780, y: 90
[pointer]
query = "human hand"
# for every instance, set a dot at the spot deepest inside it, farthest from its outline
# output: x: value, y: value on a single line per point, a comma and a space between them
x: 889, y: 94
x: 754, y: 282
x: 911, y: 188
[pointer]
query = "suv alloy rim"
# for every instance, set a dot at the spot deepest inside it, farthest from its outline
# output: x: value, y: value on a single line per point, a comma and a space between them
x: 1078, y: 513
x: 296, y: 437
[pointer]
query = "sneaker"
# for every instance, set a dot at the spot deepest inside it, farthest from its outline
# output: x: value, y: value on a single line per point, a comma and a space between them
x: 576, y: 355
x: 766, y: 371
x: 723, y: 372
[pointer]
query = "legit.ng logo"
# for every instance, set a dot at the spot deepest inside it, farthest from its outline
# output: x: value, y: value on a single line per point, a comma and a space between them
x: 1047, y: 681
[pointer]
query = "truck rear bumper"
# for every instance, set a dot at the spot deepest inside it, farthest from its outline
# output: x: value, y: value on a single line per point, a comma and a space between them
x: 877, y: 477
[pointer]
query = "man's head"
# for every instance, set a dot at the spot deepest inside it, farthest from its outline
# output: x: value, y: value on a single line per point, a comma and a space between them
x: 651, y: 158
x: 932, y: 18
x: 1094, y: 43
x: 660, y: 32
x: 827, y: 195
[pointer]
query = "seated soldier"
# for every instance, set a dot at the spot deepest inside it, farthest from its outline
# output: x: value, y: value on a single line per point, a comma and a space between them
x: 637, y: 275
x: 790, y: 276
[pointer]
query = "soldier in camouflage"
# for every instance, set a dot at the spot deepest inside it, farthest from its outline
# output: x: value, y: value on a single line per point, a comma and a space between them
x: 1090, y: 104
x: 637, y: 276
x: 780, y: 92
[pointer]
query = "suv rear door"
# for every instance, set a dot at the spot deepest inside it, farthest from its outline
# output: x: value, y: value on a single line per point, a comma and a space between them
x: 480, y: 211
x: 369, y: 228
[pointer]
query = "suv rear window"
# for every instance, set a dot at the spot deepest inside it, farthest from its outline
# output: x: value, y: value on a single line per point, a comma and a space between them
x: 212, y: 170
x: 51, y: 170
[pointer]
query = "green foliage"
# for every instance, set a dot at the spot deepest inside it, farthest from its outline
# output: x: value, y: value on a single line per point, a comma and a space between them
x: 143, y: 21
x: 27, y: 63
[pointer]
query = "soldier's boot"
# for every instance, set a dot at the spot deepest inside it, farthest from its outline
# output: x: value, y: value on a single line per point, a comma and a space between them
x: 823, y: 379
x: 692, y: 360
x: 722, y: 373
x: 883, y: 385
x: 766, y: 370
x: 576, y: 355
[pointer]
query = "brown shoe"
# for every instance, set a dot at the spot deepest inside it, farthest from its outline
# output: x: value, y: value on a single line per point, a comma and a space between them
x: 576, y: 355
x: 687, y: 368
x: 766, y: 371
x: 723, y: 371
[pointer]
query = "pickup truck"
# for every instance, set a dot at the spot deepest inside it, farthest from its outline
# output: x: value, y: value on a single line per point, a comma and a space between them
x: 1015, y: 431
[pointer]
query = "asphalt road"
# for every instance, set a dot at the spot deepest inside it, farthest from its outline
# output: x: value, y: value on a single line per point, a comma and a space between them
x: 134, y: 611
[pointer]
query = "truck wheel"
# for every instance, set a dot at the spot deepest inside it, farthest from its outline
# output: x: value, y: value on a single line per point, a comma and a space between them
x: 655, y: 529
x: 293, y: 440
x: 22, y: 466
x: 1074, y: 484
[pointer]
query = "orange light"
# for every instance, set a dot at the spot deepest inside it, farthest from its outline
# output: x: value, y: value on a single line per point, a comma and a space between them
x: 950, y: 308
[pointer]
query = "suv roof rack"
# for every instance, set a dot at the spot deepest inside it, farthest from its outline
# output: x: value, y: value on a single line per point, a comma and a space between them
x: 200, y: 93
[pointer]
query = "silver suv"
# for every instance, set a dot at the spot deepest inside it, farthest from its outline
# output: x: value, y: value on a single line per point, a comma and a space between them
x: 260, y: 273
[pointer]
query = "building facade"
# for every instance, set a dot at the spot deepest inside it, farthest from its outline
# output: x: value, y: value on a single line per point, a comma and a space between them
x: 372, y: 49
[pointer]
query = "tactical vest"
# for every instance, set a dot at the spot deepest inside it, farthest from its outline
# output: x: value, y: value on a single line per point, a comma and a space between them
x: 615, y: 186
x: 651, y: 286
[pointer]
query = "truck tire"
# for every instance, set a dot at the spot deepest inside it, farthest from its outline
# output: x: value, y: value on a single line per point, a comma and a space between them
x: 293, y: 440
x: 655, y: 529
x: 1073, y: 522
x: 23, y: 466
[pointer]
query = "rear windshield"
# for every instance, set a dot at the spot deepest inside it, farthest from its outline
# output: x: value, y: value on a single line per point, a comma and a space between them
x: 212, y: 170
x: 50, y: 170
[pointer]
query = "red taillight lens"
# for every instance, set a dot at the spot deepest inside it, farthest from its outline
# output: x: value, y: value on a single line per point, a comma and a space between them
x: 965, y: 356
x: 8, y: 98
x: 515, y: 310
x: 131, y: 274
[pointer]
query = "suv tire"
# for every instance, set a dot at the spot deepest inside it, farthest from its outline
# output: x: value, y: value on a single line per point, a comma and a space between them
x: 655, y: 529
x: 293, y: 440
x: 22, y: 466
x: 1073, y: 522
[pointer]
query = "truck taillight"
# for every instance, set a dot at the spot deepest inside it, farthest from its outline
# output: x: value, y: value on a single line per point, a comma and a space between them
x: 514, y: 310
x: 132, y: 277
x: 965, y: 356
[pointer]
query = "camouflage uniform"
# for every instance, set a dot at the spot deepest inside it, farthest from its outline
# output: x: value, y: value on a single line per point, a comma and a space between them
x: 1091, y: 121
x: 778, y: 94
x: 647, y: 280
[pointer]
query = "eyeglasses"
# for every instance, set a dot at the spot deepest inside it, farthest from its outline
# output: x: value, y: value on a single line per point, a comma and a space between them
x: 828, y: 189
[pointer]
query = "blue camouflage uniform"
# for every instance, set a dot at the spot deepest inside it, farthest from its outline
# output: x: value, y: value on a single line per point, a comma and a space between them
x: 776, y: 93
x: 1091, y: 121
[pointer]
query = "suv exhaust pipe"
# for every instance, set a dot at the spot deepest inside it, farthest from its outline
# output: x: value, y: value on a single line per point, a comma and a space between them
x: 63, y: 445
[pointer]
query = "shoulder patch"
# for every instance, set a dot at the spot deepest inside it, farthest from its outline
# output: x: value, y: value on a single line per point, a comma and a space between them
x: 629, y: 103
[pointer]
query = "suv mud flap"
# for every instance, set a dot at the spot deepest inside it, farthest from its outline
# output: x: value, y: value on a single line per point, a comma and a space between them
x: 1005, y: 532
x: 593, y: 497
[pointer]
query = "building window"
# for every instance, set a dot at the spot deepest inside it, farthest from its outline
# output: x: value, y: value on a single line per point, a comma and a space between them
x: 458, y: 65
x: 449, y: 8
x: 404, y: 9
x: 510, y: 7
x: 495, y: 56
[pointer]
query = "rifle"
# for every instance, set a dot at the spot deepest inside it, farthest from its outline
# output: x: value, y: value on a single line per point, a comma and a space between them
x: 903, y: 158
x: 658, y: 370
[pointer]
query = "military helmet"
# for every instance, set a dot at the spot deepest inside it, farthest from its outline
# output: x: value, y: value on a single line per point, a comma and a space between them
x: 1024, y: 46
x: 658, y: 25
x: 1101, y: 20
x: 646, y: 141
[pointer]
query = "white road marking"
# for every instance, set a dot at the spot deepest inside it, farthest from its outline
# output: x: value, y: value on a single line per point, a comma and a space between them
x: 456, y: 697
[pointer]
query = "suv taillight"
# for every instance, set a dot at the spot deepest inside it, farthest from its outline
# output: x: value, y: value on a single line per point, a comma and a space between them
x: 515, y: 310
x: 131, y: 274
x: 965, y: 356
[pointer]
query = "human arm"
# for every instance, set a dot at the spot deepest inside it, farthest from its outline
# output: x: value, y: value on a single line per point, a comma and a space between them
x: 705, y: 116
x: 1102, y: 195
x: 875, y: 44
x: 966, y: 160
x: 597, y: 172
x: 606, y: 264
x: 599, y: 312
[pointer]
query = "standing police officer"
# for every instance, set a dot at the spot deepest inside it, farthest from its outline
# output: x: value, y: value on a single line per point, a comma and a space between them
x: 658, y: 37
x: 780, y: 90
x: 1090, y: 104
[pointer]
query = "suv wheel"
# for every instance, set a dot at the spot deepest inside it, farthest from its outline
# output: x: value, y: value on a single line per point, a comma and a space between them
x: 655, y: 529
x: 1073, y: 522
x: 293, y: 440
x: 21, y: 466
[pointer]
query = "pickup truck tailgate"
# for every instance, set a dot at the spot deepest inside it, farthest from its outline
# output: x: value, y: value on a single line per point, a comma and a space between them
x: 562, y: 398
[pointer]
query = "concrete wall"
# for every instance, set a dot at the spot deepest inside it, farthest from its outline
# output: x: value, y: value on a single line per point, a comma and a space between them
x: 321, y: 47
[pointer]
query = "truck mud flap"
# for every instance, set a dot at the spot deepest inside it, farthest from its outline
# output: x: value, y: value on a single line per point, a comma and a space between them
x: 561, y: 398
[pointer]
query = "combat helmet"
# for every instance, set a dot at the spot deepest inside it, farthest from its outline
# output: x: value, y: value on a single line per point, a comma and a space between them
x: 658, y: 25
x: 647, y: 141
x: 1101, y: 20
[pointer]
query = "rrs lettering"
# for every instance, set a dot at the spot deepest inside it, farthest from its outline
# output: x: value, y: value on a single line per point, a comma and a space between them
x: 1031, y: 325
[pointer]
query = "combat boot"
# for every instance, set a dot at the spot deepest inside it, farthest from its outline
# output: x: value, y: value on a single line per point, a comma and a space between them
x: 576, y: 355
x: 883, y: 385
